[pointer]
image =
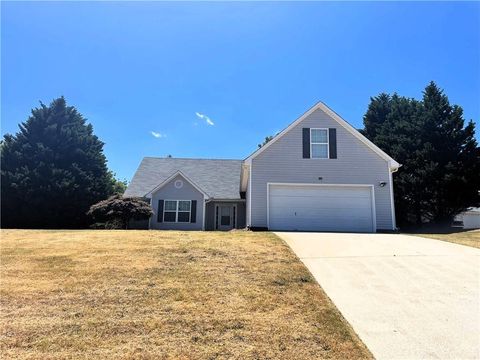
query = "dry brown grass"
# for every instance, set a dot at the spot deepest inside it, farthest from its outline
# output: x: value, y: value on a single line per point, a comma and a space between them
x: 163, y: 294
x: 469, y: 238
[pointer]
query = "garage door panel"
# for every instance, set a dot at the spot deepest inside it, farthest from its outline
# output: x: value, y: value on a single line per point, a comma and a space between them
x: 334, y: 195
x: 320, y: 208
x: 313, y: 203
x: 329, y: 199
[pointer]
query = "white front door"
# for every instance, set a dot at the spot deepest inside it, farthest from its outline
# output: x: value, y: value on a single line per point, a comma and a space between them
x: 225, y: 217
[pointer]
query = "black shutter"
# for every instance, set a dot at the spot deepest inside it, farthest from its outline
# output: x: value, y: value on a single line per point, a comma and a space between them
x: 160, y: 211
x: 193, y: 212
x: 306, y: 143
x: 332, y: 143
x: 234, y: 217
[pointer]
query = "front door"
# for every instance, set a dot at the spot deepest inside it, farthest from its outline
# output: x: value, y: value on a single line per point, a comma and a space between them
x: 225, y: 217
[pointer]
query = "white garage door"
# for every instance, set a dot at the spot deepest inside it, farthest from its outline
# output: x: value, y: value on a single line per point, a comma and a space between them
x: 321, y: 208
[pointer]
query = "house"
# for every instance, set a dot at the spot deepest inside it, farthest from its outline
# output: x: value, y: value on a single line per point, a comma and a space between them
x: 191, y: 194
x: 318, y: 174
x: 469, y: 219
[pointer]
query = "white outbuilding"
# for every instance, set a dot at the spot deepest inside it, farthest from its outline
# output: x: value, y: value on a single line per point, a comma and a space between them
x: 470, y: 218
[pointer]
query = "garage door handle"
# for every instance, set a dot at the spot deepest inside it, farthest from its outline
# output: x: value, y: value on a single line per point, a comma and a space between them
x: 295, y: 213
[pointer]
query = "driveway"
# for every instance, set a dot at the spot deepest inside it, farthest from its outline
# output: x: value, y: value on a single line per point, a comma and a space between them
x: 406, y: 297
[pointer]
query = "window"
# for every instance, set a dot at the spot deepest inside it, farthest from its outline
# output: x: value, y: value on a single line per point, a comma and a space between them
x: 319, y: 143
x: 178, y: 184
x: 183, y: 211
x: 177, y: 211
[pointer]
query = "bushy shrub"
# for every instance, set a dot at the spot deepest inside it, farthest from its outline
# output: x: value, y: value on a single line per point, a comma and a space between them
x: 117, y: 211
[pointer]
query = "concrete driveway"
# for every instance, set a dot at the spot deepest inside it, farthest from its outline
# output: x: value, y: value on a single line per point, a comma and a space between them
x: 406, y: 297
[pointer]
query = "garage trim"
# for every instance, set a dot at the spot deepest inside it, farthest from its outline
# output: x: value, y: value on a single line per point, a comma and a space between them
x: 372, y: 192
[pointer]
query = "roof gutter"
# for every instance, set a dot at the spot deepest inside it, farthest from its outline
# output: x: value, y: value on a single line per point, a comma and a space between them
x: 394, y: 166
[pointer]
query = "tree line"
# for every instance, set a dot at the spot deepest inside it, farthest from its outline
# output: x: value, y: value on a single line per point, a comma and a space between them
x: 54, y: 173
x: 440, y: 157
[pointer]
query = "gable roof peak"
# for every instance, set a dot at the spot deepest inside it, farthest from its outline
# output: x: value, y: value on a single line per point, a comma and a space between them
x: 393, y: 165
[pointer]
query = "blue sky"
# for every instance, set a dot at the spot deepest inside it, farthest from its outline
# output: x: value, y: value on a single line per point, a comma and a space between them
x: 250, y: 68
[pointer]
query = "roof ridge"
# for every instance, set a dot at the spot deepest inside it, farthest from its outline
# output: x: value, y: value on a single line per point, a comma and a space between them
x: 179, y: 158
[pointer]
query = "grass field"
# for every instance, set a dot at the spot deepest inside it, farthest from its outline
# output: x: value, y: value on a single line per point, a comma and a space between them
x: 163, y: 294
x: 469, y: 238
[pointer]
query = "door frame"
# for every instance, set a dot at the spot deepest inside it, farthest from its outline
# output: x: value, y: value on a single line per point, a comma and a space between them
x: 372, y: 192
x: 217, y: 205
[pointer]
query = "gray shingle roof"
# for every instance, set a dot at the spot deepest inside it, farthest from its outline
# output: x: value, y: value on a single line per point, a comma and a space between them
x: 220, y: 179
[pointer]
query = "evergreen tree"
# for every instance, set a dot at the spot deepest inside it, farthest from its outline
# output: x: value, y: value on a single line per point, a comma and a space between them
x: 52, y: 170
x: 267, y: 139
x: 440, y: 173
x: 119, y: 186
x: 451, y: 156
x: 377, y: 113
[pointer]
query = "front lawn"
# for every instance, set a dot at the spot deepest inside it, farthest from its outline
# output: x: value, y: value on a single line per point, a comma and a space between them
x: 469, y: 238
x: 163, y: 294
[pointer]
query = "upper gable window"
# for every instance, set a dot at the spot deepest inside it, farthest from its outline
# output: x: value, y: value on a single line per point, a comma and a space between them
x: 319, y: 143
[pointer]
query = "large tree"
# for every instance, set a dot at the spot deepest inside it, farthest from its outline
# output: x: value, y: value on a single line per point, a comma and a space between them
x: 52, y: 170
x: 440, y: 173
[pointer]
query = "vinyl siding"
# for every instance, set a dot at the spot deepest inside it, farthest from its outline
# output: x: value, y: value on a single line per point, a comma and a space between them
x: 169, y: 192
x: 355, y: 164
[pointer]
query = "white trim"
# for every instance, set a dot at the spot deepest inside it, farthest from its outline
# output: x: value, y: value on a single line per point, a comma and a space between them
x: 168, y: 180
x: 392, y: 203
x: 268, y: 203
x: 217, y: 213
x: 372, y: 199
x: 314, y: 184
x: 391, y: 162
x: 249, y: 202
x: 327, y: 143
x: 374, y: 209
x: 176, y: 212
x: 178, y: 184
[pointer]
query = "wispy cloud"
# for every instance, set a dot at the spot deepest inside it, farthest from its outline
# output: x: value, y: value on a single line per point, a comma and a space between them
x: 157, y: 135
x: 205, y: 118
